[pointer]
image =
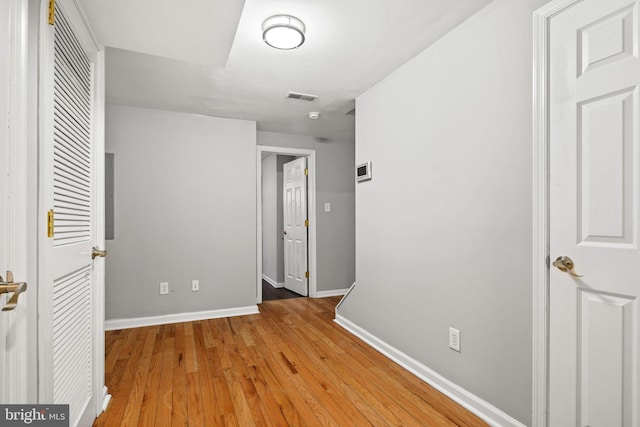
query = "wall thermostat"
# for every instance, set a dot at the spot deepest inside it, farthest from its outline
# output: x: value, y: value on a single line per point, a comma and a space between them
x: 363, y: 172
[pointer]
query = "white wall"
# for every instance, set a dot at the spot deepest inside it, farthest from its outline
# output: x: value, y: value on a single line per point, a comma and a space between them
x: 185, y: 208
x: 444, y: 228
x: 334, y: 184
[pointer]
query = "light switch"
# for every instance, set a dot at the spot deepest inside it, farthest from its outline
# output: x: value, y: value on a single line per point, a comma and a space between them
x: 327, y: 207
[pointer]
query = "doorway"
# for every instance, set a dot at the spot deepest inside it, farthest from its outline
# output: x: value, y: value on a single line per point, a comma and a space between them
x: 270, y: 273
x: 274, y: 242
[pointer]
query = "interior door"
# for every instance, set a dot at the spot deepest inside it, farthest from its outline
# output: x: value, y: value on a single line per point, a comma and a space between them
x: 594, y: 329
x: 68, y: 193
x: 295, y: 226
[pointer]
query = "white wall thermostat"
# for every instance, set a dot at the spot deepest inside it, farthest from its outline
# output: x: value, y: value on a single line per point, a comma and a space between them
x: 363, y: 172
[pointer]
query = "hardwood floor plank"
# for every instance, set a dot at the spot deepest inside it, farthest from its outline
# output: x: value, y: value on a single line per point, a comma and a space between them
x: 165, y: 388
x: 151, y: 390
x: 191, y: 359
x: 290, y: 365
x: 179, y: 404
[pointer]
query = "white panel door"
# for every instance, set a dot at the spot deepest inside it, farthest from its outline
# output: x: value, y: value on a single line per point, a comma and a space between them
x: 67, y: 281
x: 594, y: 330
x: 295, y: 226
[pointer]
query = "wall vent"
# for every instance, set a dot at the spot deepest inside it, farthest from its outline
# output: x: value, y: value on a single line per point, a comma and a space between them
x: 301, y: 96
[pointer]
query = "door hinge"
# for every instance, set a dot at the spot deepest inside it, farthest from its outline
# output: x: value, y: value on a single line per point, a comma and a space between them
x: 306, y: 223
x: 306, y: 172
x: 50, y: 223
x: 52, y: 12
x: 306, y: 274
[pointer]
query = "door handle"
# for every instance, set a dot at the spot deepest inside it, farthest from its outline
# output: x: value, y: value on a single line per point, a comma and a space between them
x: 10, y: 286
x: 95, y: 252
x: 565, y: 264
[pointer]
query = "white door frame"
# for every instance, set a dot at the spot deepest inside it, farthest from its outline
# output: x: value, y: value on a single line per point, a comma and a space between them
x: 541, y: 18
x: 311, y: 201
x: 20, y: 364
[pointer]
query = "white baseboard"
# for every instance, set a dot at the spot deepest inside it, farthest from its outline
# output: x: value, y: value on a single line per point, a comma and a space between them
x: 113, y: 324
x: 106, y: 398
x: 272, y: 282
x: 331, y: 293
x: 473, y: 403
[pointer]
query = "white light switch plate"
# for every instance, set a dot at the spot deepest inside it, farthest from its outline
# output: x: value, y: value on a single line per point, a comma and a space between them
x: 327, y: 207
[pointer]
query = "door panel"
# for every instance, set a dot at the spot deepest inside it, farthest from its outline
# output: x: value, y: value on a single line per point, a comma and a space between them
x: 68, y: 187
x: 594, y: 364
x: 295, y: 229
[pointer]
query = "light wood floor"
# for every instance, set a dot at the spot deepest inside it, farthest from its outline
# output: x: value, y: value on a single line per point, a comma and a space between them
x: 290, y: 365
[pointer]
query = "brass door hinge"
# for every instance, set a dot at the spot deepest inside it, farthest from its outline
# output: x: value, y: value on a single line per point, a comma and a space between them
x: 306, y: 223
x: 306, y: 172
x: 50, y: 223
x: 52, y: 12
x: 306, y: 274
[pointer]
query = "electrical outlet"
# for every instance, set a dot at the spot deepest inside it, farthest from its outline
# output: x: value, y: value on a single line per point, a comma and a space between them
x: 195, y: 285
x: 164, y: 288
x: 454, y: 339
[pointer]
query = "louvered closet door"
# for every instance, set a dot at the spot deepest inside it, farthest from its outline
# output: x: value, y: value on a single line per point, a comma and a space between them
x: 68, y: 189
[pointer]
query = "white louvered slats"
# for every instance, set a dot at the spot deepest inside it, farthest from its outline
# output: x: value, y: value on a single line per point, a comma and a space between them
x: 72, y: 137
x: 72, y: 340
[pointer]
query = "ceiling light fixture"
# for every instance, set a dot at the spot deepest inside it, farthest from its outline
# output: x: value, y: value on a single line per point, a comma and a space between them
x: 314, y: 115
x: 283, y: 32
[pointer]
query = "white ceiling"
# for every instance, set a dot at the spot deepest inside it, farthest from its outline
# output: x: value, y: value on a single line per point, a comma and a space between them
x: 207, y: 56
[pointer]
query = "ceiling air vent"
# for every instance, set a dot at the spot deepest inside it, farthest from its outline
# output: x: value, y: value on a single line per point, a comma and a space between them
x: 301, y: 96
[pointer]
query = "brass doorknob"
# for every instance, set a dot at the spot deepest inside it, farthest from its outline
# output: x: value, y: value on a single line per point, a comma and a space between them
x: 565, y: 264
x: 95, y: 252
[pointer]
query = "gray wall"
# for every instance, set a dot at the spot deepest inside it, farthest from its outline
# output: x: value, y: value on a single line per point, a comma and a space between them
x: 270, y: 217
x: 334, y: 184
x: 185, y: 208
x: 444, y: 228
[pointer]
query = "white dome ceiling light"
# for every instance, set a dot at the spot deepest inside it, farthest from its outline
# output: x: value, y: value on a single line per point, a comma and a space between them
x: 283, y: 32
